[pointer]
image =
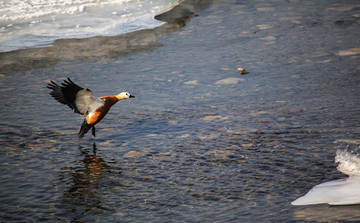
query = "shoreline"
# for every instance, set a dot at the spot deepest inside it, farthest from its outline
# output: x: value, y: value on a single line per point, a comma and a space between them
x: 101, y: 47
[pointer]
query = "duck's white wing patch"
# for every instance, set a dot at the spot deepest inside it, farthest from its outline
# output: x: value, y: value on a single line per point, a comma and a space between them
x: 86, y: 102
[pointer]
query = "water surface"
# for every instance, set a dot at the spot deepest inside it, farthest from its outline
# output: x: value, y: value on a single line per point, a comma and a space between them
x: 200, y: 142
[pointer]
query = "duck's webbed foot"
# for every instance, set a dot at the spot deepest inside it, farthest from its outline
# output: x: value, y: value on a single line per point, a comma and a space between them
x: 93, y: 131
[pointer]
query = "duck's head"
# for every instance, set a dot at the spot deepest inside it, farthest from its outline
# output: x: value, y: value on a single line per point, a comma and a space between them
x: 124, y: 95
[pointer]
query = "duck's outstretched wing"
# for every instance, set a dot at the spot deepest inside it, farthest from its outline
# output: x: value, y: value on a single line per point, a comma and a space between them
x: 79, y: 99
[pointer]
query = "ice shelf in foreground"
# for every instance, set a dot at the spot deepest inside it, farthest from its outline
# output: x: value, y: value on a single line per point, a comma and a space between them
x: 338, y: 192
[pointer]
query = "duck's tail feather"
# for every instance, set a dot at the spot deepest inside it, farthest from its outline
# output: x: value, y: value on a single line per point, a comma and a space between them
x: 84, y: 129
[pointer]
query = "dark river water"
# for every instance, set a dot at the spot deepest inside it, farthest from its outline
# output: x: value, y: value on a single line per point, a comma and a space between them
x: 200, y: 142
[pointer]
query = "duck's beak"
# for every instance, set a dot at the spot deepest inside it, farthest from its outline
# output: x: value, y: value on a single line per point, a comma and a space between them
x: 131, y: 96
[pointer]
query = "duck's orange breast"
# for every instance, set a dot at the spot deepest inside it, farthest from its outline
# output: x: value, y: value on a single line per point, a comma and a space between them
x: 97, y: 115
x: 94, y: 117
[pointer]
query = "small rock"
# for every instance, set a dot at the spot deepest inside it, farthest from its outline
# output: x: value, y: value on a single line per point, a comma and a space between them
x: 242, y: 71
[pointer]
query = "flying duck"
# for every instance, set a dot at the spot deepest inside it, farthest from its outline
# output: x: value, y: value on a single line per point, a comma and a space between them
x: 83, y: 101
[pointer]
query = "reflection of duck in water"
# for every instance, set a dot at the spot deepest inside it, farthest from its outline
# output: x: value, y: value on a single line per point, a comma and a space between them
x: 86, y: 183
x: 338, y: 192
x: 83, y: 101
x: 94, y: 165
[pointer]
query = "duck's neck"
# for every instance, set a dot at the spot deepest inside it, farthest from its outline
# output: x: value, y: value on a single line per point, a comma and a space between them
x: 110, y: 100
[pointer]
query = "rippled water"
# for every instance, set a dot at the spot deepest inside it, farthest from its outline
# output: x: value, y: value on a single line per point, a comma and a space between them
x: 200, y: 142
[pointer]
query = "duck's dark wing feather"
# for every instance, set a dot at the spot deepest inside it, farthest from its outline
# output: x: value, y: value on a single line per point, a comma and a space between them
x: 74, y: 96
